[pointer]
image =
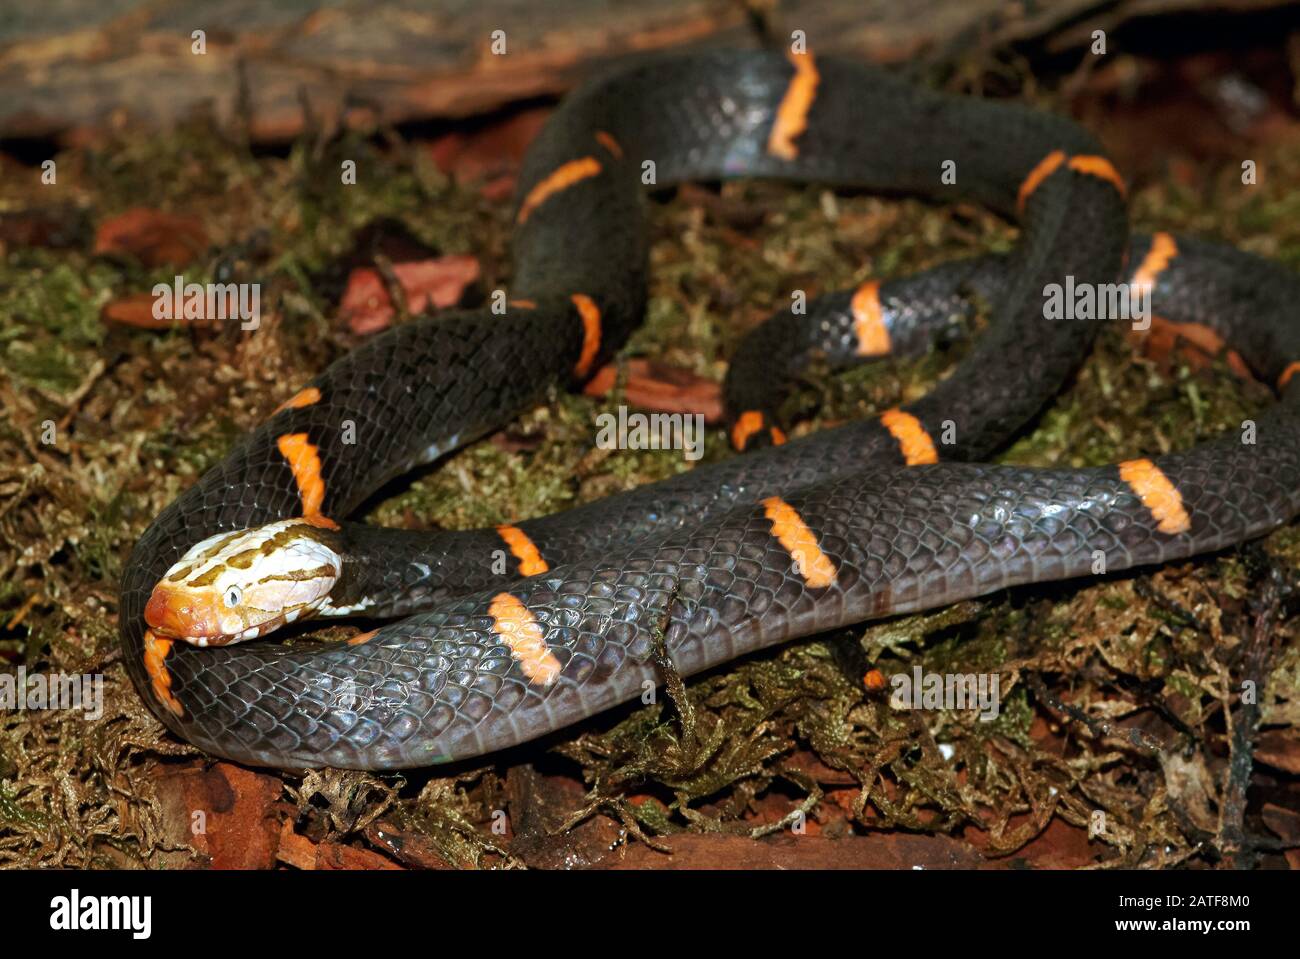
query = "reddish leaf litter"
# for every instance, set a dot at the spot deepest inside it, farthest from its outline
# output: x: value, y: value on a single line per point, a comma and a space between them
x: 660, y: 387
x: 491, y: 154
x: 152, y: 237
x: 367, y: 307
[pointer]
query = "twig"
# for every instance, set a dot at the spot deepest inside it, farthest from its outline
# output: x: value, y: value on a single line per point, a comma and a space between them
x: 673, y: 683
x: 1234, y: 843
x: 396, y: 292
x: 23, y: 610
x: 1099, y: 727
x: 1171, y: 606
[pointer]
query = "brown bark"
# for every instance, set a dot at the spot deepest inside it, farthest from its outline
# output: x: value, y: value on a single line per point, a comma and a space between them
x: 270, y: 69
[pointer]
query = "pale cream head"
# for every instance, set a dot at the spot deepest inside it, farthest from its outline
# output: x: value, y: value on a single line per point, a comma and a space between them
x: 241, y: 585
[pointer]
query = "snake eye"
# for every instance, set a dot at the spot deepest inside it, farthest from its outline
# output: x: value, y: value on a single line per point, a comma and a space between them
x: 233, y: 595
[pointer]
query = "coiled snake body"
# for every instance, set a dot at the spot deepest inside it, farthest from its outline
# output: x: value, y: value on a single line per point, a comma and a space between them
x: 884, y: 516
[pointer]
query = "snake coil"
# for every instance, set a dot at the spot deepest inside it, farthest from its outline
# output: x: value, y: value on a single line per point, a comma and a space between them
x: 873, y: 518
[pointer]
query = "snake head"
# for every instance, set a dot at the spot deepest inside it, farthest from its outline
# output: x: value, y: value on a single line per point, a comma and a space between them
x: 240, y: 585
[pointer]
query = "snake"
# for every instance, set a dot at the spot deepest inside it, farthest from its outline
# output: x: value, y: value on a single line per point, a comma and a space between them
x: 493, y: 637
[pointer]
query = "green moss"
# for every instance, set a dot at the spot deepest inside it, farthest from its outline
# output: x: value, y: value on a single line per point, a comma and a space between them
x: 51, y: 312
x: 719, y: 264
x: 15, y: 814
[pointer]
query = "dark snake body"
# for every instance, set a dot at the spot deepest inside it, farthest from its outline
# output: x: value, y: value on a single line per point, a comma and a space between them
x: 695, y: 560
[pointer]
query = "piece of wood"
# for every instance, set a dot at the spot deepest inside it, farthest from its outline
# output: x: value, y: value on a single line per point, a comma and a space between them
x: 785, y: 851
x: 301, y: 853
x: 74, y: 69
x: 226, y: 813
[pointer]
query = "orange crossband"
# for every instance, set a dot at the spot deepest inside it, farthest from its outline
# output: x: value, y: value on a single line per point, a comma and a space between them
x: 360, y: 639
x: 1045, y: 168
x: 523, y: 549
x: 869, y: 320
x: 799, y: 541
x: 590, y: 313
x: 747, y: 424
x: 1158, y: 495
x: 526, y: 639
x: 523, y: 304
x: 1291, y: 370
x: 304, y: 461
x: 575, y: 171
x: 300, y: 399
x: 913, y: 441
x: 609, y: 143
x: 1163, y: 250
x: 564, y: 177
x: 792, y: 114
x: 777, y: 434
x: 1084, y: 163
x: 1101, y: 168
x: 155, y: 652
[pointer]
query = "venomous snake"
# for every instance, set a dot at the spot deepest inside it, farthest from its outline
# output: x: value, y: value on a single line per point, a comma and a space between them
x: 878, y: 517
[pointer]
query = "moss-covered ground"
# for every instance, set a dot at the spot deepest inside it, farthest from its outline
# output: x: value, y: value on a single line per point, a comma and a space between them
x: 1120, y: 695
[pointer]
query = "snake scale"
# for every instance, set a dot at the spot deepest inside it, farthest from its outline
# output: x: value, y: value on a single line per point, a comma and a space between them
x: 878, y: 517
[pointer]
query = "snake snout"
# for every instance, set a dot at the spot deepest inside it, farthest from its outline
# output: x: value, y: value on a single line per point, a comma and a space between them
x: 179, y: 614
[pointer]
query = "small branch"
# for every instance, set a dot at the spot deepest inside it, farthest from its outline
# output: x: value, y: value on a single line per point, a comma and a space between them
x: 1098, y: 727
x: 1243, y: 724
